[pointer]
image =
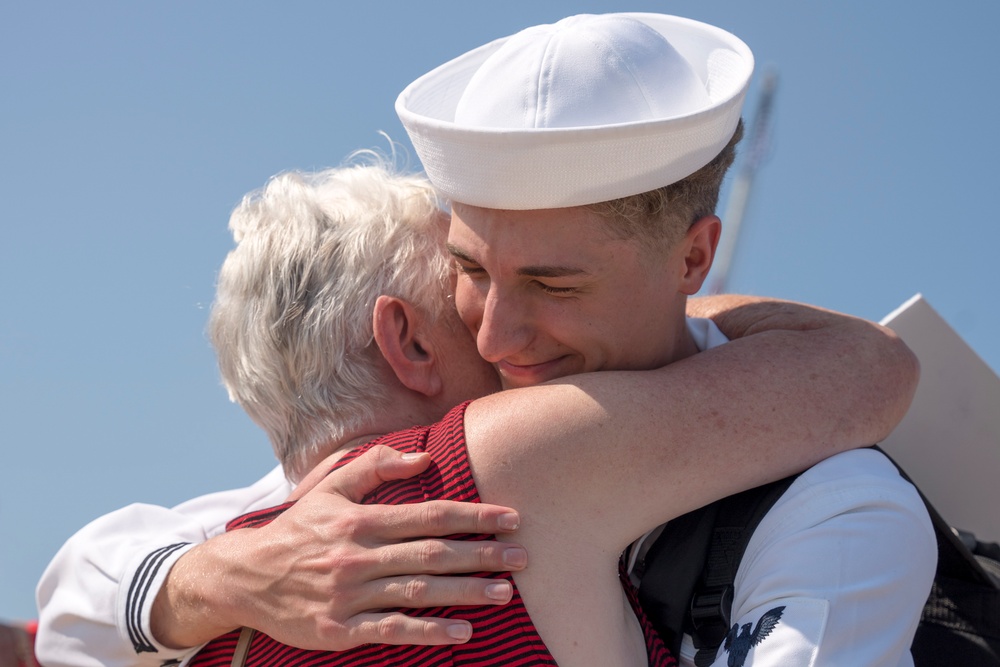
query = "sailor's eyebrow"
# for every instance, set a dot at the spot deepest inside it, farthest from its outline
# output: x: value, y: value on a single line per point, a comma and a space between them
x: 461, y: 254
x: 539, y: 271
x: 550, y: 271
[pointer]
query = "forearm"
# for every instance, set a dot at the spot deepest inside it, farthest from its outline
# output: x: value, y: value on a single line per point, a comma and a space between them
x: 192, y: 607
x: 866, y: 358
x: 739, y: 316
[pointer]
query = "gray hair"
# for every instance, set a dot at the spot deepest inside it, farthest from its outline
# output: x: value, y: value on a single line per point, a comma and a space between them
x: 292, y: 319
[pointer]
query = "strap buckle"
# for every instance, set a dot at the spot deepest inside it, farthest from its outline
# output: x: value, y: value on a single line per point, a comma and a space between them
x: 710, y: 615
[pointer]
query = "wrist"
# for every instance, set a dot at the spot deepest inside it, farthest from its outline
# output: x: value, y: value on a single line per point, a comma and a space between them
x: 191, y: 607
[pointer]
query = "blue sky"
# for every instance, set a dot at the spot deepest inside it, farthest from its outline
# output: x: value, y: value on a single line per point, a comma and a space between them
x: 130, y: 130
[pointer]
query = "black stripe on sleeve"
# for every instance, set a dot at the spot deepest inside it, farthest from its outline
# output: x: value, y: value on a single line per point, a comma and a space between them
x: 137, y: 592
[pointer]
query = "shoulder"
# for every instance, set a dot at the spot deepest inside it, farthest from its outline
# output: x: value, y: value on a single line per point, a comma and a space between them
x: 853, y: 481
x: 442, y: 439
x: 848, y: 551
x: 851, y: 507
x: 858, y: 475
x: 449, y: 477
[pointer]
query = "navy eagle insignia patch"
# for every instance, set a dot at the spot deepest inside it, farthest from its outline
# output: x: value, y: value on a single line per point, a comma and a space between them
x: 739, y: 639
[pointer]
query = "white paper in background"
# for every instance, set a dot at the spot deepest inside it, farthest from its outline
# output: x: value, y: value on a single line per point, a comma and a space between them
x: 949, y: 441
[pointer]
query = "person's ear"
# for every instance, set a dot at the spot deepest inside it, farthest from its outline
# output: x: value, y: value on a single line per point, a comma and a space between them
x: 699, y: 246
x: 402, y: 338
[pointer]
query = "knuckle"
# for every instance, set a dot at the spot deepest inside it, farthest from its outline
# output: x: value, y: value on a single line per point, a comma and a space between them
x: 378, y: 454
x: 340, y: 526
x: 352, y: 524
x: 470, y: 591
x: 433, y: 516
x: 474, y: 590
x: 430, y: 633
x: 431, y: 555
x: 415, y: 591
x: 345, y: 565
x: 349, y: 531
x: 488, y: 556
x: 484, y: 520
x: 335, y: 636
x: 391, y: 629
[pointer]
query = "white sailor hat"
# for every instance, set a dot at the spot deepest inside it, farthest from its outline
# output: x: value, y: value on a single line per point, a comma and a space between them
x: 588, y: 109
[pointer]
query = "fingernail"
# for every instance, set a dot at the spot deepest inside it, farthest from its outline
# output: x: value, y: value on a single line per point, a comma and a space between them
x: 515, y: 557
x: 508, y: 521
x: 499, y: 591
x: 459, y: 631
x: 411, y: 456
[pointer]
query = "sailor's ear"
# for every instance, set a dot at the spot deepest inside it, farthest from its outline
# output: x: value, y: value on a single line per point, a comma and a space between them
x: 402, y: 338
x: 699, y: 246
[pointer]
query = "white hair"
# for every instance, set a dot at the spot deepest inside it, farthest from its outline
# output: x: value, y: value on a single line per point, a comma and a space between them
x: 292, y: 319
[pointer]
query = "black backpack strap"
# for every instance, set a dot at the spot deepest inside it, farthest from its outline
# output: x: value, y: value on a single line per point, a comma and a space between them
x: 687, y: 582
x: 709, y: 616
x: 671, y: 569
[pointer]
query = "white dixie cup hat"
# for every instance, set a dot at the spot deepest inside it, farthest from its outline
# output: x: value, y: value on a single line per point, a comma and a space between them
x: 588, y: 109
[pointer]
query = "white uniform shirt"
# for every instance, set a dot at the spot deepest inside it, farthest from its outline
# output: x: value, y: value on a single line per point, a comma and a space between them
x: 848, y: 551
x: 95, y: 597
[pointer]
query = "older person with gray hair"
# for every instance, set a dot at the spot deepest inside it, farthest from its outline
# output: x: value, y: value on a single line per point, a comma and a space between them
x: 292, y: 319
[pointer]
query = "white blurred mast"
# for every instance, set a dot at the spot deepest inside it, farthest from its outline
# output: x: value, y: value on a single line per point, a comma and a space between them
x: 758, y: 143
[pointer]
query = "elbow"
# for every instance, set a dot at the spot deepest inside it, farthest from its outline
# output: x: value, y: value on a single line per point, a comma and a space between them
x: 899, y: 376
